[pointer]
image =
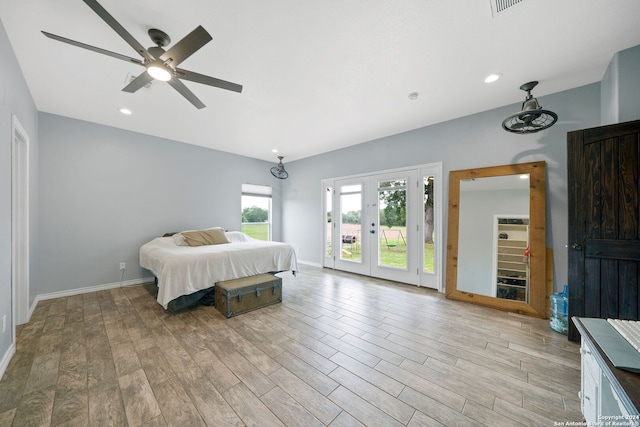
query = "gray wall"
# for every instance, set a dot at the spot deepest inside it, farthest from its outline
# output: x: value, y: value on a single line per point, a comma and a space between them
x: 609, y: 93
x: 105, y: 191
x: 629, y: 86
x: 468, y: 142
x: 621, y: 87
x: 15, y: 98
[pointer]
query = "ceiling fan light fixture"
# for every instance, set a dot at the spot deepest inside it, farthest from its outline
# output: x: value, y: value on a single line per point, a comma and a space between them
x: 160, y: 64
x: 159, y: 72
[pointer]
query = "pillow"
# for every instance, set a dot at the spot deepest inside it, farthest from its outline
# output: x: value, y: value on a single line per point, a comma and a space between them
x: 179, y: 240
x: 213, y: 236
x: 238, y: 236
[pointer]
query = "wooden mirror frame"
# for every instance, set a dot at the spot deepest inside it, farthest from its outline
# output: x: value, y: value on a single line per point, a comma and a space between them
x: 537, y: 238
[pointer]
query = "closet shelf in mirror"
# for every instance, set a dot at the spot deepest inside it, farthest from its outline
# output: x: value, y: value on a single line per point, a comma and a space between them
x: 515, y: 227
x: 513, y: 268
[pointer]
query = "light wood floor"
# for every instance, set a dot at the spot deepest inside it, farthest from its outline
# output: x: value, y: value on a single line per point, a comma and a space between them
x: 341, y: 350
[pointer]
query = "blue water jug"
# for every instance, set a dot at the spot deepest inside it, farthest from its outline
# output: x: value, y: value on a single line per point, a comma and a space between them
x: 559, y: 311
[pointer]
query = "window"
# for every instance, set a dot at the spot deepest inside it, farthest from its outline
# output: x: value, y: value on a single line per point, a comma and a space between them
x: 256, y: 211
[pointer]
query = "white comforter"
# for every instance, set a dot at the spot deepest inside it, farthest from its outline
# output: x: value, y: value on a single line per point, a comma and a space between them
x: 183, y: 270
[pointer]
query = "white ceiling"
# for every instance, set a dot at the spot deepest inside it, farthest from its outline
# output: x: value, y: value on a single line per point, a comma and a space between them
x: 318, y: 75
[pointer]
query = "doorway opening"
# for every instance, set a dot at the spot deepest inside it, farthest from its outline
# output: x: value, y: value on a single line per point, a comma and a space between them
x: 19, y: 224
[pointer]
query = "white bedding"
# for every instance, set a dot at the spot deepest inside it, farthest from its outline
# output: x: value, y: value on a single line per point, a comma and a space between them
x: 183, y: 270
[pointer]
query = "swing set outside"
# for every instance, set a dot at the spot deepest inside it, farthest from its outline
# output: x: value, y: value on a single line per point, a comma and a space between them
x: 391, y: 244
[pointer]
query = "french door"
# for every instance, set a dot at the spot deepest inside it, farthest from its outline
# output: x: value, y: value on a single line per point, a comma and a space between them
x: 375, y: 225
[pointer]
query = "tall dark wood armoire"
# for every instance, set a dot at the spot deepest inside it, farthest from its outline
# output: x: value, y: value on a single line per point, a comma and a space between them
x: 604, y: 222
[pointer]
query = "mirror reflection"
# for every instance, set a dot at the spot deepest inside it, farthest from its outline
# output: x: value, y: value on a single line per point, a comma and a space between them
x: 493, y: 237
x: 496, y: 247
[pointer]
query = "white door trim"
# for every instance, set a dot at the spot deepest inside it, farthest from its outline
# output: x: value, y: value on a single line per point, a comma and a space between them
x: 19, y: 223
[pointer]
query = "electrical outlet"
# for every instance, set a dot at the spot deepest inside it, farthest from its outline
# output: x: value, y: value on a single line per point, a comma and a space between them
x: 4, y: 323
x: 123, y: 265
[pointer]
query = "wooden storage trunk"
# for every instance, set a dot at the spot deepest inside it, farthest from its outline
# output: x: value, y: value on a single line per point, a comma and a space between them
x: 238, y: 296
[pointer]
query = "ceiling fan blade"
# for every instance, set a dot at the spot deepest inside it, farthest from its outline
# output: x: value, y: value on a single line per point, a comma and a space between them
x: 186, y: 47
x: 138, y: 83
x: 92, y: 48
x: 207, y: 80
x: 115, y: 25
x: 184, y: 91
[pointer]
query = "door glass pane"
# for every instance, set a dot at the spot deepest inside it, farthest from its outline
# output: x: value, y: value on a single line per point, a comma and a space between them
x: 328, y: 201
x: 392, y: 220
x: 350, y: 222
x: 429, y: 224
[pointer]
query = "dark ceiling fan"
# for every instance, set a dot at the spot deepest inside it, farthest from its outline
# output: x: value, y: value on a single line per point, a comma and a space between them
x: 278, y: 170
x: 160, y: 64
x: 532, y: 118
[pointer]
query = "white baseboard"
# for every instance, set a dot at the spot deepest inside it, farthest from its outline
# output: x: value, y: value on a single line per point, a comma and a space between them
x: 313, y: 264
x: 78, y: 291
x: 7, y: 358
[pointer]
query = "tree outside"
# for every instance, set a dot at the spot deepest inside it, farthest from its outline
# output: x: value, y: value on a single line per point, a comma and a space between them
x: 428, y: 209
x: 255, y: 214
x: 393, y: 203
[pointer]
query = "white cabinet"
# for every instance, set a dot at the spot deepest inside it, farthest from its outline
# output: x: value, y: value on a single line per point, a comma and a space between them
x: 589, y: 393
x: 605, y: 396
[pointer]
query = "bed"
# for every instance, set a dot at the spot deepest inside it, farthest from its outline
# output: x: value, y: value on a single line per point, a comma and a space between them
x: 183, y: 270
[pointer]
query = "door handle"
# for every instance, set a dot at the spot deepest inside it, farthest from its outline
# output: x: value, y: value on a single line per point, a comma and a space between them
x: 576, y: 247
x: 372, y: 231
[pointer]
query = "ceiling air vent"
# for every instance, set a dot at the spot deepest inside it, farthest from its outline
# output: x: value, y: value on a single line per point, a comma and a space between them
x: 131, y: 77
x: 499, y: 6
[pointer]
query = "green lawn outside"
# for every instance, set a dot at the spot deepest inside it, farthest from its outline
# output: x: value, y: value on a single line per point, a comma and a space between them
x: 393, y: 250
x: 258, y: 230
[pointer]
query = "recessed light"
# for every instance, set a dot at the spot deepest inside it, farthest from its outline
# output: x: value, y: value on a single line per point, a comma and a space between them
x: 492, y: 78
x: 274, y: 150
x: 413, y: 96
x: 125, y: 111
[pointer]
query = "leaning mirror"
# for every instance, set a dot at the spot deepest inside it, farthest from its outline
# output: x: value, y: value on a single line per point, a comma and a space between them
x: 496, y: 248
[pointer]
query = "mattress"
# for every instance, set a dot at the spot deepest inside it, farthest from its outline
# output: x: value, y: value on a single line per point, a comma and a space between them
x: 183, y: 270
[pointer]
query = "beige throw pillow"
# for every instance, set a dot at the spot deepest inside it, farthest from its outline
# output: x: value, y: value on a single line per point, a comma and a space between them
x: 214, y: 236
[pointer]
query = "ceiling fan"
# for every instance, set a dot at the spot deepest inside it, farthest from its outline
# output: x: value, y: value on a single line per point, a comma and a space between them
x: 278, y: 170
x: 160, y: 64
x: 532, y: 118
